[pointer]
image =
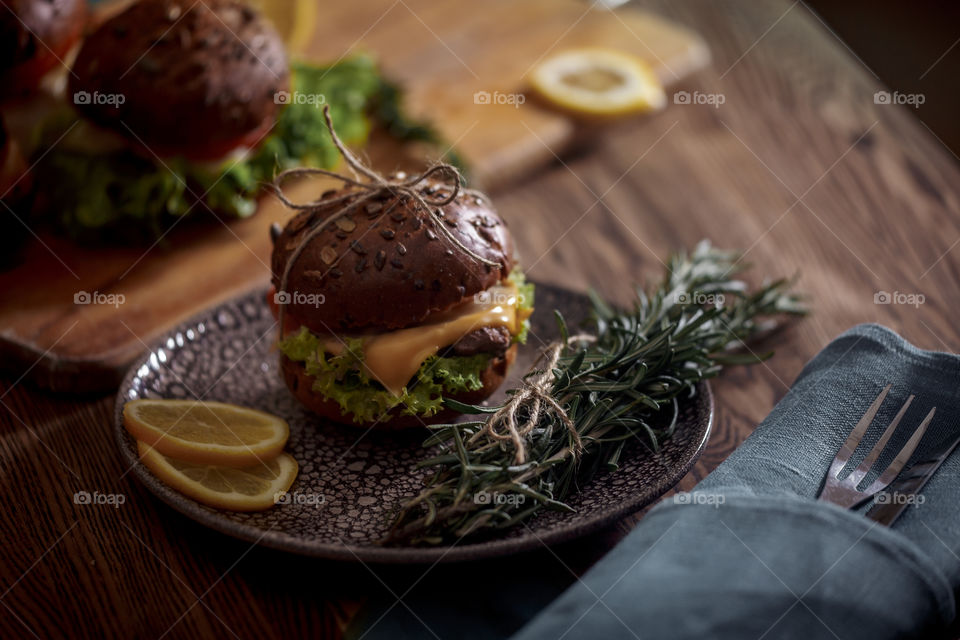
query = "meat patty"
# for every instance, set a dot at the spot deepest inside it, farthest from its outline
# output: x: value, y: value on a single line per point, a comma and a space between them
x: 492, y: 340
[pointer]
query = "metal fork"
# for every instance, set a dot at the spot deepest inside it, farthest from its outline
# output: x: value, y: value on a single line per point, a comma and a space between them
x: 844, y: 492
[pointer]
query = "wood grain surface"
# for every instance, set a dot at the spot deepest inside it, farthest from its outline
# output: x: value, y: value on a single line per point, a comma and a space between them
x: 88, y: 347
x: 798, y: 165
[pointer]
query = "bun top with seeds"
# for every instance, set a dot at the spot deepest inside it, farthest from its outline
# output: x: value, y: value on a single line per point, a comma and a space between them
x: 385, y: 265
x: 183, y: 78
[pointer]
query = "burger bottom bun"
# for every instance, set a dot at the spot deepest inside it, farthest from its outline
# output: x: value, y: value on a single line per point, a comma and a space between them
x: 300, y: 384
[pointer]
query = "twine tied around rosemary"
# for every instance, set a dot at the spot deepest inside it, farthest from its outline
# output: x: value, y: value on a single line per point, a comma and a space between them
x: 534, y: 394
x: 369, y: 185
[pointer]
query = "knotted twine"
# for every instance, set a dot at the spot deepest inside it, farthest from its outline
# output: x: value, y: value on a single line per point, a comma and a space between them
x: 535, y: 394
x: 372, y: 186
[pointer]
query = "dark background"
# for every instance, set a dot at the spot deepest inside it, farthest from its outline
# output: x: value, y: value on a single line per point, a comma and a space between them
x: 900, y: 40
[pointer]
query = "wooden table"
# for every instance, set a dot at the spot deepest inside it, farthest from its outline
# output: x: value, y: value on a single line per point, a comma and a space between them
x: 798, y: 165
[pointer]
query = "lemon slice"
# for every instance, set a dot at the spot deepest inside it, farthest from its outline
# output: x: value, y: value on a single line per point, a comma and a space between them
x: 598, y: 82
x: 250, y: 489
x: 294, y: 20
x: 206, y: 432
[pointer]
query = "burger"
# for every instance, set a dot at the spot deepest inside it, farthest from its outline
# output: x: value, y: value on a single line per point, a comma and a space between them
x: 178, y: 109
x: 385, y: 316
x: 194, y: 80
x: 166, y: 105
x: 35, y: 37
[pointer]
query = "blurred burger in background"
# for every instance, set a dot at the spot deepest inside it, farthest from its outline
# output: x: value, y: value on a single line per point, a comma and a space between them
x: 174, y: 79
x: 37, y: 40
x: 167, y: 94
x: 174, y: 109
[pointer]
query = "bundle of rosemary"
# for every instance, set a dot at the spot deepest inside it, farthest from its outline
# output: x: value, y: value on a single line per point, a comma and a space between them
x: 589, y: 396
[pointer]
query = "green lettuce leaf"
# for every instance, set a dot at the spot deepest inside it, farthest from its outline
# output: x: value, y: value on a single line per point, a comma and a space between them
x: 460, y: 373
x: 525, y: 293
x: 341, y: 378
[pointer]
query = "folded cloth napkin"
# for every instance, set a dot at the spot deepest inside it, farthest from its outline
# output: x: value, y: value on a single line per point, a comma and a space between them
x: 751, y: 553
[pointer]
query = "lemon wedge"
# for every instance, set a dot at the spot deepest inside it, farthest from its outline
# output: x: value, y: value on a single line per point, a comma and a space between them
x: 249, y: 489
x: 294, y: 20
x: 598, y: 82
x: 206, y: 433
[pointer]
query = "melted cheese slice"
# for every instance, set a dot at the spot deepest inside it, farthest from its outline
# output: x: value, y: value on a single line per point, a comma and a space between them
x: 394, y: 357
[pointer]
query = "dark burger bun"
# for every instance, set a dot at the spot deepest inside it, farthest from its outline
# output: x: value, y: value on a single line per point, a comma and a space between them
x: 196, y: 79
x: 380, y: 272
x: 300, y: 383
x: 35, y: 37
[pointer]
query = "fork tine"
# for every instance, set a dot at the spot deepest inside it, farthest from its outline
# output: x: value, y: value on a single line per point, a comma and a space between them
x: 893, y: 470
x: 843, y: 455
x: 878, y: 448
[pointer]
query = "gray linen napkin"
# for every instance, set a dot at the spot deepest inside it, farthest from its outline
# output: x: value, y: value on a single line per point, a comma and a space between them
x: 751, y: 554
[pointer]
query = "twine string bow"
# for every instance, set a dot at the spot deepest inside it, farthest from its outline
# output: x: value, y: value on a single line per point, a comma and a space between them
x: 535, y: 395
x: 369, y: 185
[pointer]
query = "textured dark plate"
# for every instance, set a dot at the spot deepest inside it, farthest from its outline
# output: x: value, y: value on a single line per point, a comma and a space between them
x: 350, y: 483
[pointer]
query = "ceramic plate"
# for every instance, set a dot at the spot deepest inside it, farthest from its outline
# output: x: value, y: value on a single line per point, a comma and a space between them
x: 350, y: 484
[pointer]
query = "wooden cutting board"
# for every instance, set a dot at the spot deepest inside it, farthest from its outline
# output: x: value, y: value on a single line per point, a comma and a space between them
x: 443, y: 53
x: 446, y: 53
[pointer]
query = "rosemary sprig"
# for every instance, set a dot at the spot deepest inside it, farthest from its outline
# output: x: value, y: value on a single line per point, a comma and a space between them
x: 574, y: 415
